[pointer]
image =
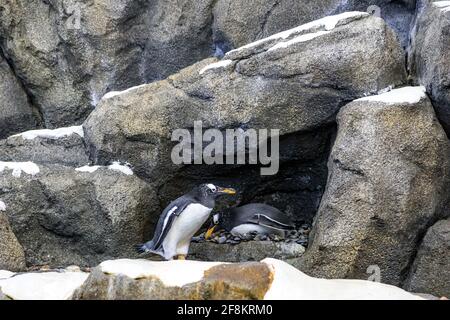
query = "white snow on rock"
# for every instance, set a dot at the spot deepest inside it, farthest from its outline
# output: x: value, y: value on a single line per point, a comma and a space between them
x: 302, y: 38
x: 88, y: 169
x: 328, y: 23
x: 2, y: 206
x: 443, y: 5
x: 17, y: 168
x: 4, y: 274
x: 291, y: 284
x: 51, y: 134
x: 43, y: 286
x: 116, y: 93
x: 116, y: 166
x: 220, y: 64
x: 122, y: 168
x: 409, y: 95
x: 175, y: 273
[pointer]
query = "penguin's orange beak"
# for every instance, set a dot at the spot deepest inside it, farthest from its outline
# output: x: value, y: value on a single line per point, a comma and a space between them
x: 227, y: 191
x: 209, y: 233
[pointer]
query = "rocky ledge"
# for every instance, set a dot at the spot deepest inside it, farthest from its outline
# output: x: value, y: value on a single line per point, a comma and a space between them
x: 269, y: 279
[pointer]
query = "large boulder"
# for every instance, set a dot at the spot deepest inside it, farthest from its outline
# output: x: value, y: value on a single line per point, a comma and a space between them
x: 430, y: 272
x: 389, y: 173
x: 238, y: 22
x: 295, y: 81
x: 16, y: 113
x: 269, y: 279
x: 429, y: 61
x: 69, y: 53
x: 60, y: 146
x: 66, y: 216
x: 12, y: 256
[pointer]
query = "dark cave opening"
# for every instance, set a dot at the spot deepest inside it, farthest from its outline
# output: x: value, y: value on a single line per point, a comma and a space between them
x: 296, y: 189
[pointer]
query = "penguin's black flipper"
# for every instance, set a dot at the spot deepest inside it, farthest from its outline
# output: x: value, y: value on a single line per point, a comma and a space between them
x: 267, y: 221
x: 173, y: 210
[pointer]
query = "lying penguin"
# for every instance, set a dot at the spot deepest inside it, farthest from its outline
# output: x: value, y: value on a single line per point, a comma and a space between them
x: 254, y: 218
x: 181, y: 219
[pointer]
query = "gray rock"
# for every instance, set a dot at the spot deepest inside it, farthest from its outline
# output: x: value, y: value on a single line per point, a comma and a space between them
x: 430, y: 272
x: 245, y: 251
x: 66, y: 217
x: 389, y: 174
x: 16, y: 113
x: 298, y: 89
x: 69, y: 53
x: 12, y: 256
x: 429, y: 61
x: 67, y: 150
x: 238, y: 22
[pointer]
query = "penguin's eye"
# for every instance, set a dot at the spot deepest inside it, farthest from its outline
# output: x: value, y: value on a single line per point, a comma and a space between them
x: 211, y: 188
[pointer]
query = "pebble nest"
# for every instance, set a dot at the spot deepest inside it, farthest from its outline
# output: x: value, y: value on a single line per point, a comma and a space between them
x: 299, y: 236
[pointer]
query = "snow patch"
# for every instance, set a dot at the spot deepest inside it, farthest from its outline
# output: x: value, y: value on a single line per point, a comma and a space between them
x: 4, y: 274
x: 89, y: 169
x: 220, y: 64
x: 328, y: 23
x: 409, y: 95
x: 290, y: 283
x: 302, y: 38
x: 175, y: 273
x: 443, y: 5
x: 51, y: 134
x: 43, y: 286
x: 116, y: 166
x: 122, y: 168
x: 116, y: 93
x: 17, y: 168
x: 2, y: 206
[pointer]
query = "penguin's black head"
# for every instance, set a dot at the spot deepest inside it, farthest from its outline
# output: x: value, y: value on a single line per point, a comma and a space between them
x: 210, y: 191
x: 214, y: 224
x: 220, y: 220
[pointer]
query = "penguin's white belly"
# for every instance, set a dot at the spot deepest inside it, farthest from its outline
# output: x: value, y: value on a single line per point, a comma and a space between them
x: 247, y: 228
x: 183, y: 229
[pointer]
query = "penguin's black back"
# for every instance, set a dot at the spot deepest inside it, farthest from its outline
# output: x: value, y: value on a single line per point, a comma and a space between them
x: 246, y: 214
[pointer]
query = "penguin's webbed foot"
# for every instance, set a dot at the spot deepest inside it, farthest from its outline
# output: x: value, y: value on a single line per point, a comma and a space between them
x: 181, y: 257
x: 141, y: 248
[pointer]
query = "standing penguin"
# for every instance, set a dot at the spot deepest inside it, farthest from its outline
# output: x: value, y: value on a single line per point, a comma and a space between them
x: 256, y: 218
x: 181, y: 219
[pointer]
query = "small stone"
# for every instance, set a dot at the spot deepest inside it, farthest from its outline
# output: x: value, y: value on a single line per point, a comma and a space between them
x: 222, y: 240
x: 73, y: 269
x: 293, y: 233
x: 261, y: 237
